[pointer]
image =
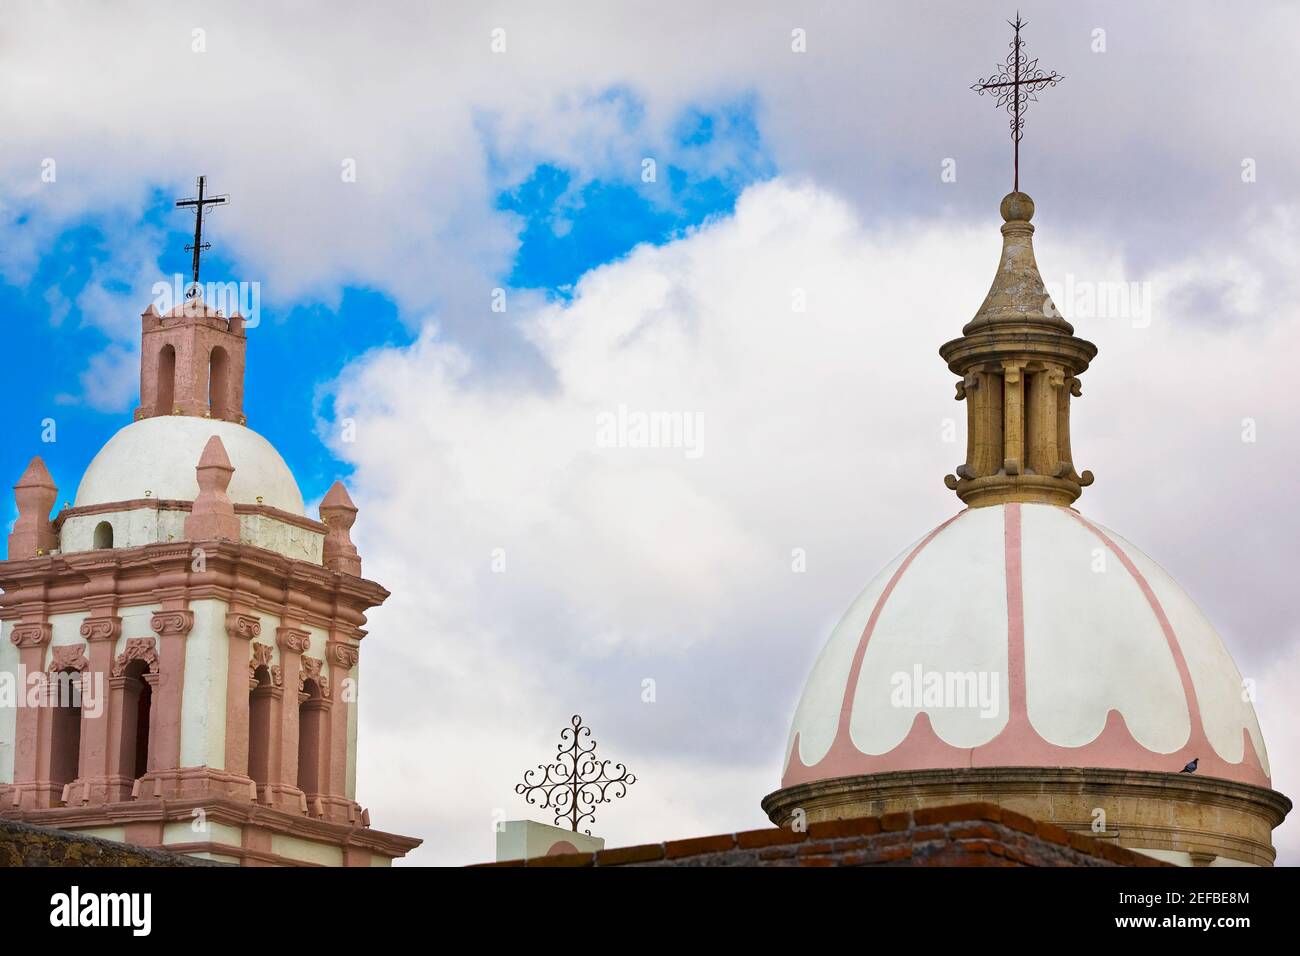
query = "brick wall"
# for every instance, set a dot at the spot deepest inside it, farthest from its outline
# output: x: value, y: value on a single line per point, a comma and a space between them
x: 971, y: 834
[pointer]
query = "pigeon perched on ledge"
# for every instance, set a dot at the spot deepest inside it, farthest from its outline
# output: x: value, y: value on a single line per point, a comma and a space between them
x: 1191, y: 767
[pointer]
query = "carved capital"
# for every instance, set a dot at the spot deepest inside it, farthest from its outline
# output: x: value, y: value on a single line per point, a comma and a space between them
x: 96, y: 629
x: 137, y: 649
x: 31, y: 635
x: 343, y: 655
x: 68, y: 657
x: 243, y: 625
x: 165, y: 623
x: 292, y: 639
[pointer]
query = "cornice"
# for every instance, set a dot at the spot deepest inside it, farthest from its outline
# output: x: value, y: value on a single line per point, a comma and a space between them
x: 242, y: 574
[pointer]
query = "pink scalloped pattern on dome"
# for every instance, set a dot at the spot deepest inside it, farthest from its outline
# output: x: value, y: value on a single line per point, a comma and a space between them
x: 1018, y: 744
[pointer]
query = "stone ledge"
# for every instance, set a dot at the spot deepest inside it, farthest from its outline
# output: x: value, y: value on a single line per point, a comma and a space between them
x: 23, y: 844
x: 961, y: 835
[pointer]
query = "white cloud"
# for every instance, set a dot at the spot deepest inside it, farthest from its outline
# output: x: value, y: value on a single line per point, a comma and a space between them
x: 822, y: 432
x: 437, y: 124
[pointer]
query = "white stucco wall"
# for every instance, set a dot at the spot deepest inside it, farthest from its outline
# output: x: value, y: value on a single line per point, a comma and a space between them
x: 135, y: 527
x: 203, y: 698
x: 131, y: 528
x: 306, y: 850
x: 65, y: 629
x: 281, y: 537
x: 200, y: 830
x: 352, y: 732
x: 136, y: 622
x: 117, y: 834
x: 9, y: 710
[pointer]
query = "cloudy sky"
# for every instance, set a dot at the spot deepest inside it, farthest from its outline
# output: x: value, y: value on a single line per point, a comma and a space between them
x: 478, y: 228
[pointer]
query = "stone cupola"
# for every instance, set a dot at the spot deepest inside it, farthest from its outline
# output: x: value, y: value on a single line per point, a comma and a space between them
x: 1019, y: 363
x: 192, y: 363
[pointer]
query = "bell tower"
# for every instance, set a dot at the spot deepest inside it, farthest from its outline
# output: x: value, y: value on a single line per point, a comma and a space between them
x: 185, y: 640
x: 192, y: 363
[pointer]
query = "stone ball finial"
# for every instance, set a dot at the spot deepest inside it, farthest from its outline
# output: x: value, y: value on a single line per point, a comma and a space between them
x: 1017, y: 207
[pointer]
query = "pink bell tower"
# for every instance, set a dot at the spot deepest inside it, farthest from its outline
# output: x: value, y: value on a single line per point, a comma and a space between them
x: 184, y: 639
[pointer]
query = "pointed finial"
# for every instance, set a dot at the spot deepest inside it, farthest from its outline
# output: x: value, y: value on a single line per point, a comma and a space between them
x: 212, y: 514
x: 35, y: 494
x: 339, y: 513
x: 1019, y: 363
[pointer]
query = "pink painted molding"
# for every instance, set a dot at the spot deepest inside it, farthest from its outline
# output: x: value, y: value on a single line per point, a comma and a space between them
x: 343, y: 655
x: 238, y: 574
x: 137, y: 649
x: 96, y: 629
x: 68, y: 657
x: 145, y: 816
x: 165, y: 623
x: 246, y: 626
x: 292, y: 639
x: 312, y: 670
x: 31, y: 635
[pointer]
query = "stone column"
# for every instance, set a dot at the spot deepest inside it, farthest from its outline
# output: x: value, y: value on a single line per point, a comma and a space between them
x: 293, y: 642
x: 1043, y: 454
x: 241, y: 628
x: 31, y: 638
x: 342, y: 659
x: 172, y: 627
x: 315, y: 749
x: 1013, y: 427
x: 95, y: 777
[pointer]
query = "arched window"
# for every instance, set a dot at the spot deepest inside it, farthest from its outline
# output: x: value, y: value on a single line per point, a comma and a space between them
x: 65, y: 726
x: 311, y: 726
x: 137, y: 703
x: 103, y: 535
x: 219, y: 383
x: 165, y: 390
x: 259, y: 726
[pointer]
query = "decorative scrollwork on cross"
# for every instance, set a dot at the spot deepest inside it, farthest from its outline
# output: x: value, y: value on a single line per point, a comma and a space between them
x: 578, y: 781
x: 1016, y: 85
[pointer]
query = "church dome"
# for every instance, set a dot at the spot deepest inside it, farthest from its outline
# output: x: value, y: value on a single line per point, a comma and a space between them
x: 157, y: 456
x: 1023, y: 634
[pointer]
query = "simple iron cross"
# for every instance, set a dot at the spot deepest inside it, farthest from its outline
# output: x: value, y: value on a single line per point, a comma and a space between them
x: 1016, y: 85
x: 198, y: 246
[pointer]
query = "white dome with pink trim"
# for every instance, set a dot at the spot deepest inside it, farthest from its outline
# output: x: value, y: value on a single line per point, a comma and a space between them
x: 1024, y: 635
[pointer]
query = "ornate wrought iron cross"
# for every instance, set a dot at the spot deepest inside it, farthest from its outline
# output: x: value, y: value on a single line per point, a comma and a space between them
x: 1016, y: 85
x: 577, y: 782
x: 198, y: 246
